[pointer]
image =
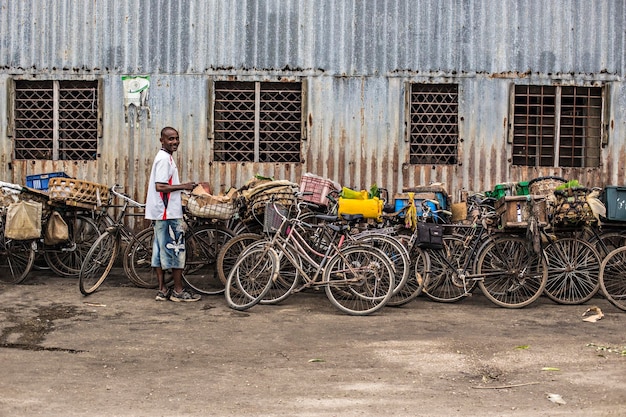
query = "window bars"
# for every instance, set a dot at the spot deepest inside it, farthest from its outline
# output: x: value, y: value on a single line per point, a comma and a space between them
x: 257, y: 121
x: 433, y: 123
x: 56, y: 120
x: 557, y: 126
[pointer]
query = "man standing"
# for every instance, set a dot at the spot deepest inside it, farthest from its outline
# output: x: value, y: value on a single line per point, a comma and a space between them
x: 164, y: 207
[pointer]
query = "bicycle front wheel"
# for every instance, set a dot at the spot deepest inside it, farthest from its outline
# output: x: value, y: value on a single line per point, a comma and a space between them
x: 573, y: 270
x: 98, y: 263
x: 202, y: 249
x: 287, y: 279
x: 612, y: 277
x: 513, y: 275
x: 359, y: 280
x: 252, y: 276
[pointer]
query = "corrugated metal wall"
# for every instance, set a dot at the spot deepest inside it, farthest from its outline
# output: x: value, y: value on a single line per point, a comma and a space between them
x: 356, y: 58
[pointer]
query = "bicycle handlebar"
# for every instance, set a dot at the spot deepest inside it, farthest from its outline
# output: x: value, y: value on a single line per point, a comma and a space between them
x: 125, y: 197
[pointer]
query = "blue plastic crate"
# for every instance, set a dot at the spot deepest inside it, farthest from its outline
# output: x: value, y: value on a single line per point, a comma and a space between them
x: 40, y: 181
x: 400, y: 203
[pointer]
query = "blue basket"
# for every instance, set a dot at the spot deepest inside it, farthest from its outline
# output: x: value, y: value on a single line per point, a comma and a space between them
x: 40, y: 181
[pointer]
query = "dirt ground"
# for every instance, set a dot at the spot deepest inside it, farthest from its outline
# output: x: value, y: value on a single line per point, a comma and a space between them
x: 120, y: 353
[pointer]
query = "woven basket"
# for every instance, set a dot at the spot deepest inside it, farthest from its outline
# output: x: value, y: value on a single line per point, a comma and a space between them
x: 571, y: 207
x: 544, y: 185
x: 79, y: 191
x: 211, y: 207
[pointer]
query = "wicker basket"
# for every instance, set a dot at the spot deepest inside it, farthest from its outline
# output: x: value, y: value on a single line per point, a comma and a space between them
x: 211, y: 207
x: 79, y: 191
x: 544, y: 185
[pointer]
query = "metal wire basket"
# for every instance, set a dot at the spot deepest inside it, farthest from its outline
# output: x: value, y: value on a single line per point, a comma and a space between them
x: 273, y: 217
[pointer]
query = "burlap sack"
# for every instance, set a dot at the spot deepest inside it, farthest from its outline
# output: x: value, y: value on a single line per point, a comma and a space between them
x: 23, y: 220
x: 56, y: 230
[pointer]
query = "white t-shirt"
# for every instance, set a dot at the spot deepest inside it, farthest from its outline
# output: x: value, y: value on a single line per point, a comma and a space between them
x: 163, y: 206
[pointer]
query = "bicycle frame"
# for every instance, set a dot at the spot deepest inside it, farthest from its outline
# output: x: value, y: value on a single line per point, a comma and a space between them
x: 472, y: 242
x: 296, y: 242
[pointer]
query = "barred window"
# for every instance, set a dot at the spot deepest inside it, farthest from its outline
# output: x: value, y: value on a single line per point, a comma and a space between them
x: 433, y: 123
x: 557, y: 126
x: 257, y: 121
x: 56, y: 120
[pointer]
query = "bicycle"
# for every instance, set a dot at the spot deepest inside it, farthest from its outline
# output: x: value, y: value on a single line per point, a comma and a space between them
x: 103, y: 253
x: 577, y: 249
x: 203, y: 239
x: 383, y: 239
x: 231, y: 249
x: 16, y: 256
x: 64, y: 258
x: 612, y: 281
x: 509, y: 272
x: 357, y: 279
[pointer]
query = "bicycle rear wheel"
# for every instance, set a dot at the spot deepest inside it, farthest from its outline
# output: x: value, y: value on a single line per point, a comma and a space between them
x: 606, y: 242
x: 137, y: 260
x: 573, y: 270
x: 513, y: 274
x: 231, y: 250
x: 16, y: 259
x: 66, y: 259
x: 98, y: 263
x: 613, y: 277
x: 359, y: 280
x: 397, y: 254
x: 202, y: 248
x: 414, y: 285
x: 252, y: 276
x: 442, y: 282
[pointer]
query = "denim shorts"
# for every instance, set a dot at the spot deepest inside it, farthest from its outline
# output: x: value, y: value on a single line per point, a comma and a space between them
x: 168, y: 249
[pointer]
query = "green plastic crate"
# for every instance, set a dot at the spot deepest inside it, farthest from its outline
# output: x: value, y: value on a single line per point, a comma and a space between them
x: 501, y: 190
x: 521, y: 188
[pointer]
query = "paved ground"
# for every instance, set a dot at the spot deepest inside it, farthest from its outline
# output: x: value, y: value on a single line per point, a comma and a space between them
x: 120, y: 353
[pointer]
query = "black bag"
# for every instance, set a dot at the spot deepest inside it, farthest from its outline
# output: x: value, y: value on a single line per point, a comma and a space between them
x: 429, y: 235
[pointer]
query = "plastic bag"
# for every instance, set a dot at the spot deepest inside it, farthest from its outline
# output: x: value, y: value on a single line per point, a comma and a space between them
x: 23, y: 220
x: 351, y: 194
x: 56, y: 230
